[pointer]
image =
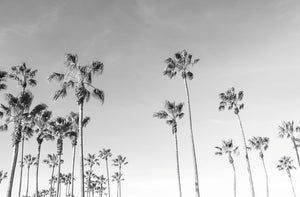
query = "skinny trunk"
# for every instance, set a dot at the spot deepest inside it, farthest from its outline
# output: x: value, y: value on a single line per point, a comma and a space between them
x: 81, y: 147
x: 292, y: 186
x: 37, y: 169
x: 73, y: 167
x: 51, y: 180
x: 120, y: 188
x: 177, y: 162
x: 58, y: 175
x: 27, y: 181
x: 107, y: 173
x: 22, y: 163
x: 13, y: 168
x: 296, y: 149
x: 192, y: 139
x: 266, y: 174
x: 247, y: 157
x: 234, y: 179
x: 66, y: 191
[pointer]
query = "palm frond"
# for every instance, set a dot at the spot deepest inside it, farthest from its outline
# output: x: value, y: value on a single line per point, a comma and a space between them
x: 97, y: 67
x: 98, y: 94
x: 56, y: 76
x: 161, y: 114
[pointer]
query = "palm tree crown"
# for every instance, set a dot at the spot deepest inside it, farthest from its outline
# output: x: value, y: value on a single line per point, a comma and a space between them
x: 3, y: 76
x: 231, y: 100
x: 227, y: 148
x: 259, y: 143
x: 91, y: 160
x: 285, y: 163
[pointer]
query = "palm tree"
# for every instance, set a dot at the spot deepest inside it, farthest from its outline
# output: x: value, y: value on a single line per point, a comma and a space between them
x: 105, y: 154
x: 3, y: 76
x: 287, y: 130
x: 100, y: 181
x: 74, y: 119
x: 231, y: 100
x: 91, y: 160
x: 52, y: 161
x: 17, y: 112
x: 29, y: 161
x: 119, y: 162
x: 3, y: 175
x: 285, y: 163
x: 79, y: 77
x: 261, y: 144
x: 181, y: 63
x: 43, y: 133
x: 172, y: 114
x: 61, y: 128
x: 118, y: 178
x: 228, y: 148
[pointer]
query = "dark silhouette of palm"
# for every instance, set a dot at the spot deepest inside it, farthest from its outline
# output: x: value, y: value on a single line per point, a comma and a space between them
x: 119, y: 162
x: 29, y: 161
x: 3, y: 77
x: 105, y: 154
x: 285, y: 163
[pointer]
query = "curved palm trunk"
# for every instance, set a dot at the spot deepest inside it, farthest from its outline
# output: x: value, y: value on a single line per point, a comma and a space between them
x: 73, y: 167
x: 247, y: 157
x: 28, y: 169
x: 296, y: 149
x: 234, y: 179
x: 21, y: 170
x: 37, y: 169
x: 266, y: 174
x: 107, y: 173
x: 192, y: 139
x: 292, y: 186
x: 177, y: 161
x: 81, y: 148
x: 13, y: 168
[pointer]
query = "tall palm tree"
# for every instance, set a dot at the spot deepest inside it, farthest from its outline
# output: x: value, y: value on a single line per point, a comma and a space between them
x: 17, y: 111
x: 181, y: 63
x: 171, y: 115
x: 52, y: 162
x: 79, y: 77
x: 29, y: 161
x: 3, y: 76
x: 3, y: 175
x: 74, y: 119
x: 232, y: 100
x: 285, y: 163
x: 228, y: 148
x: 43, y: 133
x: 289, y: 131
x: 261, y: 144
x: 119, y: 162
x: 24, y: 76
x: 91, y: 160
x: 118, y: 178
x: 105, y: 154
x: 61, y: 128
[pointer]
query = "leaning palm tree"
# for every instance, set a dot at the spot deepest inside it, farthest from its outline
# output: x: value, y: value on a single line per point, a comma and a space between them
x: 61, y: 128
x: 228, y: 148
x: 79, y: 77
x: 29, y: 161
x: 172, y: 113
x: 43, y: 133
x: 289, y: 131
x: 105, y: 154
x: 74, y: 119
x: 119, y: 162
x: 24, y: 76
x: 3, y: 175
x: 17, y: 111
x: 232, y: 100
x: 181, y: 63
x: 261, y: 144
x: 285, y: 163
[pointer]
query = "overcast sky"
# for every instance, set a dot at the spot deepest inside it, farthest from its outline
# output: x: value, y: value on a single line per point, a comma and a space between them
x: 251, y: 45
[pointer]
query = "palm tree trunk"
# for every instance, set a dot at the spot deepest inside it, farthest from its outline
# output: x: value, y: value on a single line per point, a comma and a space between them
x: 107, y: 174
x: 37, y: 169
x: 66, y: 191
x: 247, y: 157
x: 192, y: 139
x: 51, y: 182
x: 120, y: 189
x: 296, y: 149
x: 73, y: 167
x: 177, y: 162
x: 266, y: 174
x: 58, y: 175
x: 27, y: 181
x: 292, y: 186
x: 13, y: 168
x: 234, y: 179
x: 81, y: 147
x: 22, y: 163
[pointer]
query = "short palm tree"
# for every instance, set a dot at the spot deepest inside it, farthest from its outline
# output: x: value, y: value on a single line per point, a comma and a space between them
x: 29, y: 161
x: 181, y: 63
x: 117, y: 177
x: 289, y: 131
x: 90, y: 161
x: 232, y: 101
x: 100, y: 182
x: 105, y: 154
x: 79, y: 77
x: 3, y: 175
x: 261, y: 144
x: 285, y: 163
x: 228, y: 148
x: 171, y: 114
x: 119, y: 162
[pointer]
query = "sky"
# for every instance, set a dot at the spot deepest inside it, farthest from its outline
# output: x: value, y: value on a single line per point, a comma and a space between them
x: 250, y: 45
